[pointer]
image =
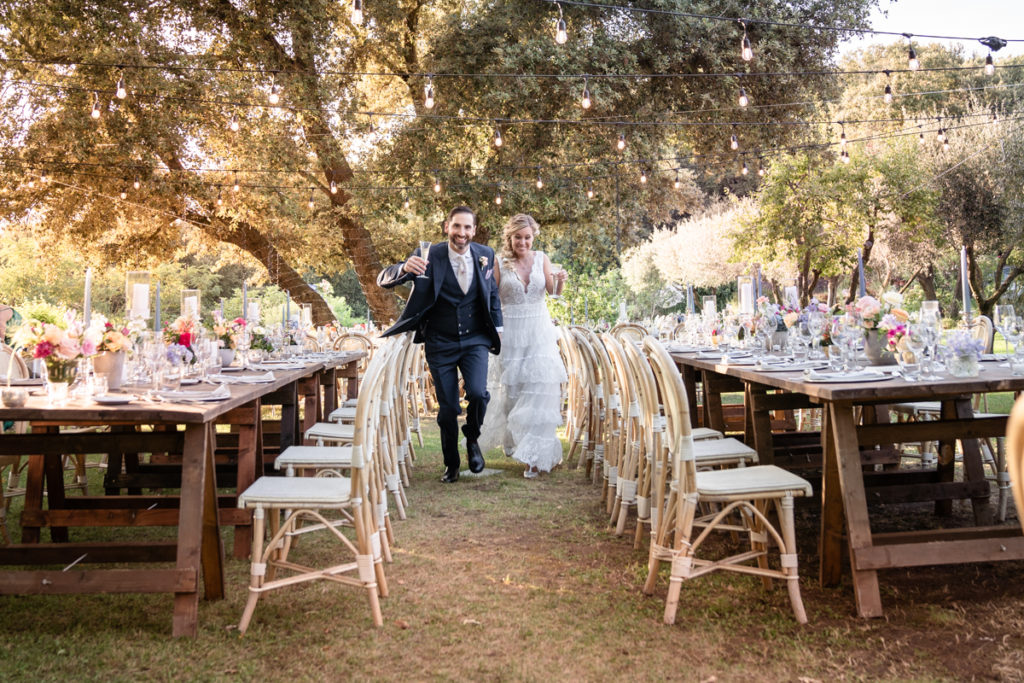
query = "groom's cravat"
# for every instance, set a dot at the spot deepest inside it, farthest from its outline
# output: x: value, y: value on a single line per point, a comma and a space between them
x: 462, y: 271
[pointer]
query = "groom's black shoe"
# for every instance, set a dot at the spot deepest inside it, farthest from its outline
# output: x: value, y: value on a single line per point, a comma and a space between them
x: 475, y: 457
x: 451, y: 475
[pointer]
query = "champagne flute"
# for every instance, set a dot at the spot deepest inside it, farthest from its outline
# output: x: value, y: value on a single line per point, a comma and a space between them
x: 558, y: 285
x: 424, y: 254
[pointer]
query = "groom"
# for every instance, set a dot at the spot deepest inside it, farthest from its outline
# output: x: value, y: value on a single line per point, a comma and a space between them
x: 456, y: 314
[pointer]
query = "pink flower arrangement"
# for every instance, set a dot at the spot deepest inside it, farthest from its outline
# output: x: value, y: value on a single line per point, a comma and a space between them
x: 54, y: 342
x: 182, y: 332
x: 227, y: 331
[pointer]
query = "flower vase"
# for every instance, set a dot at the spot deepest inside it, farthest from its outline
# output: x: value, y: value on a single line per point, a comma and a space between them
x: 111, y: 364
x: 965, y: 365
x: 59, y: 375
x: 227, y: 356
x: 875, y: 350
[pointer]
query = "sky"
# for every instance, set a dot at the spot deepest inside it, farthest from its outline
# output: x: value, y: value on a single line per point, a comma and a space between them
x: 972, y: 18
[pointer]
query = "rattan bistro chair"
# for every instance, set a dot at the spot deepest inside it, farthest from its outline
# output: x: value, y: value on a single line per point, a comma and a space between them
x: 747, y: 490
x: 304, y: 499
x: 1015, y: 454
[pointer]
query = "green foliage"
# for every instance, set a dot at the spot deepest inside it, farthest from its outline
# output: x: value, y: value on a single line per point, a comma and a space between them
x: 589, y: 295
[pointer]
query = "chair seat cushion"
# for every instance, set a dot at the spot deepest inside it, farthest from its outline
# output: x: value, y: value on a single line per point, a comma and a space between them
x: 703, y: 433
x: 342, y: 413
x: 918, y: 407
x: 726, y: 450
x: 314, y: 456
x: 755, y: 481
x: 331, y: 430
x: 297, y: 492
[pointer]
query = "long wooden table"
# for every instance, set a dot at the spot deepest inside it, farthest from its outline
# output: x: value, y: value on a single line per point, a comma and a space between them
x: 196, y: 512
x: 855, y: 429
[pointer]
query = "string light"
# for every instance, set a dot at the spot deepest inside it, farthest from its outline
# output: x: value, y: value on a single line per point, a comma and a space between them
x: 498, y: 142
x: 357, y: 14
x: 437, y: 185
x: 760, y: 168
x: 43, y: 178
x: 643, y: 176
x: 734, y: 142
x: 235, y: 187
x: 912, y: 62
x: 124, y: 192
x: 310, y: 202
x: 888, y: 94
x: 844, y: 157
x: 621, y: 144
x: 590, y: 189
x: 842, y: 136
x: 990, y: 66
x: 540, y: 181
x: 220, y: 197
x: 561, y: 35
x: 31, y: 183
x: 497, y: 197
x: 920, y: 138
x: 274, y: 96
x: 137, y: 183
x: 95, y: 105
x: 743, y: 169
x: 746, y: 51
x: 744, y: 100
x: 945, y: 143
x: 233, y: 124
x: 585, y: 101
x: 334, y: 187
x: 677, y: 183
x: 405, y: 203
x: 428, y: 93
x: 122, y: 92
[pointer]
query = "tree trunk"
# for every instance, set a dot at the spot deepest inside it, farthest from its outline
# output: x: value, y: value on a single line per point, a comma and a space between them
x: 865, y: 256
x: 926, y: 277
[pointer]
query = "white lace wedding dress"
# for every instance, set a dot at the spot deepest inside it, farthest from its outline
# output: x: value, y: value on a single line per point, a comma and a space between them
x: 525, y: 379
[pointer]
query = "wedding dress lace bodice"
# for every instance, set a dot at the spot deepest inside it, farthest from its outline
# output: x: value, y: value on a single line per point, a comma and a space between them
x: 513, y: 291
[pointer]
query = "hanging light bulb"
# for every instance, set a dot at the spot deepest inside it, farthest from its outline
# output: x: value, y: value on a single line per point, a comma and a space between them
x: 920, y: 138
x: 744, y: 100
x: 734, y: 142
x: 357, y: 12
x: 585, y: 101
x: 995, y: 116
x: 124, y: 192
x: 941, y: 135
x: 274, y: 96
x: 428, y: 93
x: 233, y: 124
x: 310, y: 202
x: 220, y: 197
x: 643, y: 176
x: 235, y: 187
x: 844, y: 157
x: 677, y: 183
x: 498, y: 141
x: 945, y: 144
x: 540, y: 182
x: 746, y: 51
x: 561, y: 35
x: 621, y: 144
x: 405, y: 204
x: 990, y: 66
x: 95, y: 105
x: 888, y: 94
x: 497, y: 197
x: 912, y: 63
x: 43, y: 178
x: 122, y: 92
x: 743, y: 169
x: 842, y: 138
x: 437, y: 184
x: 334, y: 187
x: 590, y: 189
x: 137, y: 184
x: 760, y: 168
x: 31, y: 183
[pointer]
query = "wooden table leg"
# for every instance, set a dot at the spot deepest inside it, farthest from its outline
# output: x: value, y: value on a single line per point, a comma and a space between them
x: 973, y: 467
x: 33, y: 495
x: 329, y: 382
x: 946, y: 465
x: 53, y: 466
x: 289, y: 415
x: 250, y: 465
x: 199, y: 544
x: 713, y: 416
x: 689, y: 375
x: 855, y: 506
x: 757, y: 424
x: 830, y: 543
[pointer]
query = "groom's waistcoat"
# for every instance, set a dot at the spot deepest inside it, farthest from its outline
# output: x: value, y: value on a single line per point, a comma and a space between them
x: 455, y: 315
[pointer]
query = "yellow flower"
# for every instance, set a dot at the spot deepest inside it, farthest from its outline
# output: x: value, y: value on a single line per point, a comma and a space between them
x: 53, y: 334
x: 900, y: 314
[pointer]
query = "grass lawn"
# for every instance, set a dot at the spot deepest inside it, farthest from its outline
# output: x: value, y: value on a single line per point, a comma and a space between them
x: 502, y: 578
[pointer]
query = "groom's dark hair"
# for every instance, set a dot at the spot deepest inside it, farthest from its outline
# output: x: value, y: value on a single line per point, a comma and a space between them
x: 459, y: 209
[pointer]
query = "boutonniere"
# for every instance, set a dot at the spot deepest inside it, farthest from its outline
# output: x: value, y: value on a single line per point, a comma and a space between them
x: 483, y: 261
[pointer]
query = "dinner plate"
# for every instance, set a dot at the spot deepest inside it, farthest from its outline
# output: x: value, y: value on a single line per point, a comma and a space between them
x: 848, y: 379
x: 791, y: 367
x: 189, y: 380
x: 114, y: 399
x: 232, y: 368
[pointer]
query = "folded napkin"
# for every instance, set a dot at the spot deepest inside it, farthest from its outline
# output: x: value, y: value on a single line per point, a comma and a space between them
x: 680, y: 348
x: 862, y: 375
x: 279, y: 366
x: 787, y: 366
x: 242, y: 379
x: 993, y: 356
x: 220, y: 392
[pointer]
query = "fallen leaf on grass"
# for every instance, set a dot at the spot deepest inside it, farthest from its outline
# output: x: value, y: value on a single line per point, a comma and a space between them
x: 402, y: 624
x: 472, y: 622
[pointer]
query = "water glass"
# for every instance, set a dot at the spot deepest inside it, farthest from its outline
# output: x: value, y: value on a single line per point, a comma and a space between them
x: 99, y: 384
x: 1017, y: 365
x: 170, y: 376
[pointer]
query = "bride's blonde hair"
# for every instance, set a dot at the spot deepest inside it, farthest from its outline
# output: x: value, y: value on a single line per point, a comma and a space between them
x: 514, y: 225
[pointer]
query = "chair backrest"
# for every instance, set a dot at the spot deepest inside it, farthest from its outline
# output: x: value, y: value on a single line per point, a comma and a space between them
x: 981, y: 328
x: 1015, y: 454
x: 677, y: 414
x: 354, y: 341
x: 9, y: 358
x: 631, y: 331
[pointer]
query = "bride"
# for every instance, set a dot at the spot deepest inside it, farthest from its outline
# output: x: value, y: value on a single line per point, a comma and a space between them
x: 525, y: 379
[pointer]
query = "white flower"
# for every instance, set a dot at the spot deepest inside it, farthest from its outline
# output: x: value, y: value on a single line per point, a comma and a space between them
x: 893, y: 298
x: 483, y: 261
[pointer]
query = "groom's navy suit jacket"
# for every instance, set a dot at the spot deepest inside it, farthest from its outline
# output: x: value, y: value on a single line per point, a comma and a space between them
x: 425, y: 294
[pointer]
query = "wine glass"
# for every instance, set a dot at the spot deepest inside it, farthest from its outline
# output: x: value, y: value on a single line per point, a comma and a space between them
x: 911, y: 354
x: 424, y: 253
x: 556, y: 268
x: 930, y: 329
x: 1003, y: 315
x: 815, y: 326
